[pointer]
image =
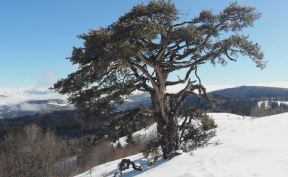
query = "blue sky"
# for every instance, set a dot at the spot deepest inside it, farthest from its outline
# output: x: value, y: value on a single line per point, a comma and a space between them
x: 36, y: 36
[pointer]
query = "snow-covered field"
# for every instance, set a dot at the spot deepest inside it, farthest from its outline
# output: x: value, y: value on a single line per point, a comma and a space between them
x: 243, y: 147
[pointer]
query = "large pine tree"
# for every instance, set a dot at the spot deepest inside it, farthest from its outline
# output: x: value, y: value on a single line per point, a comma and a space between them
x: 147, y: 45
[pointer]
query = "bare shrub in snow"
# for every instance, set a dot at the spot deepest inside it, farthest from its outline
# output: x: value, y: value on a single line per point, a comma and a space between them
x: 96, y: 154
x: 32, y: 153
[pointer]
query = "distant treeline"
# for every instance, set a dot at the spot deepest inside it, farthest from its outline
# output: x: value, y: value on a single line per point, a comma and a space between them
x: 246, y: 100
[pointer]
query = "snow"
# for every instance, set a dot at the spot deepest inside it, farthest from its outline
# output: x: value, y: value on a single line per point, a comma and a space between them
x: 140, y: 136
x: 266, y: 104
x: 282, y: 102
x: 243, y: 147
x: 110, y: 168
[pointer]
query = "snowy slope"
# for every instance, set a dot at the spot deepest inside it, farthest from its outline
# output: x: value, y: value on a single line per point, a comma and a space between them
x: 246, y: 148
x: 142, y: 136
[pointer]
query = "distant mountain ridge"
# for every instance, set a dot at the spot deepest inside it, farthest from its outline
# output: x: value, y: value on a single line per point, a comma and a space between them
x: 244, y: 100
x: 244, y: 92
x: 238, y: 100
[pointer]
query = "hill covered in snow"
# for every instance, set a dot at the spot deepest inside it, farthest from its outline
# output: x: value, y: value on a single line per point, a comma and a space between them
x: 243, y: 147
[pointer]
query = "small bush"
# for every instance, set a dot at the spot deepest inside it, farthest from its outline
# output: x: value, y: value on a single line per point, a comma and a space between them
x: 197, y: 131
x: 207, y: 123
x: 195, y: 137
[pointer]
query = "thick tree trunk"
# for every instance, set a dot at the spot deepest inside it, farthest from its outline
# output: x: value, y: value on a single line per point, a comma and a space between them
x: 168, y: 136
x: 167, y: 128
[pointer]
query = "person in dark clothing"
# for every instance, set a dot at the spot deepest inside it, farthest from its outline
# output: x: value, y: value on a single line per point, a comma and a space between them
x: 124, y: 165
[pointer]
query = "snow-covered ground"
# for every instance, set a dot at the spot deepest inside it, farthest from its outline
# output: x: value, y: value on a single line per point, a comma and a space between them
x: 243, y: 147
x: 141, y: 136
x: 267, y: 106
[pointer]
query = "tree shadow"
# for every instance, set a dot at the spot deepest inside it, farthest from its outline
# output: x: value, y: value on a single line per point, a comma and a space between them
x: 145, y: 167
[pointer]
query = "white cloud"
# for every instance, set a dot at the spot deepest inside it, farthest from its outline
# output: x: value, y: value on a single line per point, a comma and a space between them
x: 15, y: 96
